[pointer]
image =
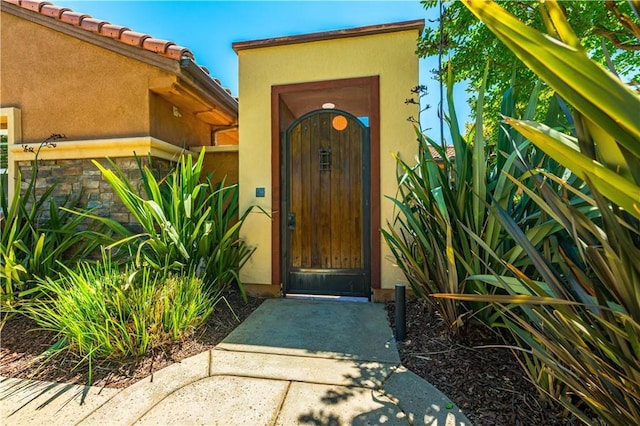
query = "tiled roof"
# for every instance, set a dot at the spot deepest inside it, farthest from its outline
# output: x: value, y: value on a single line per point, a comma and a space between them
x: 124, y: 35
x: 451, y: 152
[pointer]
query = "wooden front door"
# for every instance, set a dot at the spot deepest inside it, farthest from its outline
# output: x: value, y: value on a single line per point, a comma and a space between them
x: 326, y: 205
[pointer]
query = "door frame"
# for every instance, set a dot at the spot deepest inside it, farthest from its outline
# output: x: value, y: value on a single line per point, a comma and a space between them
x: 365, y: 188
x: 372, y: 84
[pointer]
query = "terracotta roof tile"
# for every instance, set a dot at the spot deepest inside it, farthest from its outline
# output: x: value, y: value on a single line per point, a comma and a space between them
x: 133, y: 38
x: 113, y: 31
x: 177, y: 52
x: 92, y: 24
x: 205, y: 69
x: 33, y: 5
x: 53, y: 11
x: 451, y: 152
x: 123, y: 34
x: 73, y: 18
x: 157, y: 45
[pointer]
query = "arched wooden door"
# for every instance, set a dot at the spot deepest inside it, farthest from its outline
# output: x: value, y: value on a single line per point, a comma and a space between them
x: 325, y: 188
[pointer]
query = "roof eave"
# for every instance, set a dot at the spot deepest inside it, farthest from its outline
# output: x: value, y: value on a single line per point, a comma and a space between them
x: 133, y: 52
x: 415, y: 25
x: 196, y: 76
x: 226, y: 101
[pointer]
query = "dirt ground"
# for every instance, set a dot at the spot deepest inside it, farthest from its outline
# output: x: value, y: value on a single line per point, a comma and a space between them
x: 22, y: 342
x: 487, y: 383
x: 475, y: 371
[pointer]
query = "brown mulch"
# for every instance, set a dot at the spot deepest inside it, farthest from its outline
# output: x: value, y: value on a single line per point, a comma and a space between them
x: 486, y: 383
x: 22, y: 342
x: 475, y: 370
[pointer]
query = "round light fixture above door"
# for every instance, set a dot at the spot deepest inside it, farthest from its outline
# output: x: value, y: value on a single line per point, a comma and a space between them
x: 339, y: 122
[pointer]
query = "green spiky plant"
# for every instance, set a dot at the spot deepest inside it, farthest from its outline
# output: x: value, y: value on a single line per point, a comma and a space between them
x: 440, y: 202
x: 578, y: 324
x: 188, y: 222
x: 105, y: 310
x: 606, y: 146
x: 35, y: 232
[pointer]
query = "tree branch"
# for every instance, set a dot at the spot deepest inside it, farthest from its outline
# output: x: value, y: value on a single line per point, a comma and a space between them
x: 612, y: 36
x: 623, y: 18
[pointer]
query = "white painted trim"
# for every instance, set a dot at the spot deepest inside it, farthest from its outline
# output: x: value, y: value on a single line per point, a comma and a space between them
x: 14, y: 132
x: 100, y: 148
x: 213, y: 149
x: 91, y: 149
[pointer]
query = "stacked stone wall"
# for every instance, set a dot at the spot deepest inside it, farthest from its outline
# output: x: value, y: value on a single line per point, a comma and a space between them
x: 81, y: 177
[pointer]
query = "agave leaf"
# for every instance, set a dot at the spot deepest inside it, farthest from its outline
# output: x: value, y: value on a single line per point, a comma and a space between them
x: 593, y: 91
x: 519, y: 299
x: 479, y: 165
x: 620, y: 190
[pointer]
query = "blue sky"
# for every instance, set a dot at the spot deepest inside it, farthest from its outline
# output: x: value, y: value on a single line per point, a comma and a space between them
x: 209, y: 27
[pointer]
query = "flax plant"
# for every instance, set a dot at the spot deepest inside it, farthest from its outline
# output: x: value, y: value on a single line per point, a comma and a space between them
x: 606, y: 146
x: 577, y: 326
x: 35, y: 232
x: 440, y: 202
x: 188, y: 222
x: 578, y: 323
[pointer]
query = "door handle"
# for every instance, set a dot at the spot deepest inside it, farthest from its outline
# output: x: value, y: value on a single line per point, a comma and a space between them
x: 291, y: 221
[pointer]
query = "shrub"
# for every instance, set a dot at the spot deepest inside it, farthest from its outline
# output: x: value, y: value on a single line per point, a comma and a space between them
x: 440, y: 203
x: 578, y: 325
x: 35, y: 232
x: 189, y: 223
x: 103, y: 311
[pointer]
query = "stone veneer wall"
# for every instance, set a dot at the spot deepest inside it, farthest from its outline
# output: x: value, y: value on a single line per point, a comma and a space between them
x: 73, y: 177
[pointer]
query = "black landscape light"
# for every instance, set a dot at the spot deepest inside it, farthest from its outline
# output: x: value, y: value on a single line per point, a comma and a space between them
x: 401, y: 313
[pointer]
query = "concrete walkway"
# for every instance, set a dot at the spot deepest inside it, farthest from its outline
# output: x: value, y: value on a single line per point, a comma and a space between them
x: 291, y: 362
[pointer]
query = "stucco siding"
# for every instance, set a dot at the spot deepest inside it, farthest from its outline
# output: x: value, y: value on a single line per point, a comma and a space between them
x: 391, y: 56
x: 65, y: 85
x: 178, y: 126
x: 223, y: 165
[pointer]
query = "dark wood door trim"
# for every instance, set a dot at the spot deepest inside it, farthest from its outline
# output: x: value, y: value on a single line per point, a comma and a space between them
x: 373, y: 85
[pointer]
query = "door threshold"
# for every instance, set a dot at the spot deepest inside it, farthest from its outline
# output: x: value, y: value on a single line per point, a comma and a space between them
x: 327, y: 297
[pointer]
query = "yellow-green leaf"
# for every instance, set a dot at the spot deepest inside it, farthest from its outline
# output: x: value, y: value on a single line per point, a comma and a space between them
x: 621, y: 191
x: 587, y: 86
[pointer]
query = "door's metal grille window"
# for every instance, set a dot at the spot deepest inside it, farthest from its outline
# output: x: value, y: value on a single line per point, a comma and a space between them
x: 325, y: 159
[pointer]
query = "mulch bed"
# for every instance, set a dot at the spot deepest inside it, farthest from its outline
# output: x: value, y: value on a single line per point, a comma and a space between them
x: 475, y: 370
x: 22, y: 342
x: 486, y: 383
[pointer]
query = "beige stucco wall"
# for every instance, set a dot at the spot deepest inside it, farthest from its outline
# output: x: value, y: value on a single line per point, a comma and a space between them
x: 64, y: 85
x: 223, y: 163
x: 99, y: 99
x: 69, y: 86
x: 177, y: 126
x: 390, y: 56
